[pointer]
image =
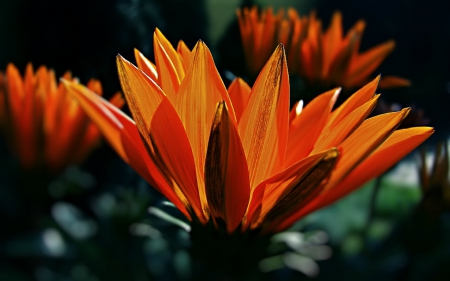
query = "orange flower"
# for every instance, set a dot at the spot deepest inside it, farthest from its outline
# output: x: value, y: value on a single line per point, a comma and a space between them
x: 325, y: 58
x: 237, y: 155
x: 44, y: 125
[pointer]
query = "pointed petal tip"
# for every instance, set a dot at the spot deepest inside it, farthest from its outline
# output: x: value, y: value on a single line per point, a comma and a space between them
x: 406, y: 111
x: 280, y: 49
x: 200, y: 44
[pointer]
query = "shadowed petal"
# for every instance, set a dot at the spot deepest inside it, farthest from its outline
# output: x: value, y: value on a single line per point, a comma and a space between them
x: 291, y: 189
x: 226, y: 172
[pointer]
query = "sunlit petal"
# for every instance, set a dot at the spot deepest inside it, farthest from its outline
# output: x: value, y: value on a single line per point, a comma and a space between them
x: 162, y: 131
x: 264, y: 123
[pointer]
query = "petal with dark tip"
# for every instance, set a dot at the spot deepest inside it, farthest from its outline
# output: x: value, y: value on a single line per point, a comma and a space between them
x: 226, y: 173
x: 292, y: 189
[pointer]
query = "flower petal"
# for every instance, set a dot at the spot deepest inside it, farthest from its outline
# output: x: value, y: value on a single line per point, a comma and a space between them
x: 332, y: 41
x: 226, y: 172
x: 185, y: 55
x: 346, y: 127
x: 364, y: 140
x: 146, y: 65
x: 264, y: 123
x: 169, y: 65
x: 397, y: 146
x: 364, y: 64
x: 303, y: 133
x: 359, y: 98
x: 162, y: 131
x: 122, y: 134
x: 339, y: 68
x: 239, y: 92
x: 199, y: 93
x: 291, y: 189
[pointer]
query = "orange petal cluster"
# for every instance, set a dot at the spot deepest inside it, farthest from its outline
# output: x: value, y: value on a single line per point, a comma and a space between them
x: 325, y: 58
x: 239, y: 155
x: 44, y: 124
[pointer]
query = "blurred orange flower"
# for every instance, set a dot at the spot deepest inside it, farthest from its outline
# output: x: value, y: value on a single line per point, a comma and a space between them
x: 325, y: 58
x: 43, y: 124
x: 238, y: 155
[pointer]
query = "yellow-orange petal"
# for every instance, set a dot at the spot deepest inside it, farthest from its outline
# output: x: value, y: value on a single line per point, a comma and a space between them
x: 364, y: 140
x: 168, y: 64
x: 226, y: 172
x: 264, y: 123
x: 239, y: 92
x: 397, y: 146
x: 162, y: 131
x: 353, y: 102
x: 196, y: 101
x: 146, y: 65
x: 346, y: 127
x: 185, y: 55
x: 305, y: 128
